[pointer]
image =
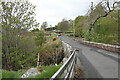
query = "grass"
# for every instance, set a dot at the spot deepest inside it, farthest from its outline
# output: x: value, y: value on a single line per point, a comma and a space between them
x: 0, y: 74
x: 12, y: 74
x: 49, y: 71
x: 68, y: 34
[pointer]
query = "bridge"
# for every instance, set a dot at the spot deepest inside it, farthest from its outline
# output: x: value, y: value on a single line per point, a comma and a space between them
x: 97, y: 63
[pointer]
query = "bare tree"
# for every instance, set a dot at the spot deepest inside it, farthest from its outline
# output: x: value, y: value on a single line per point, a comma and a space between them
x: 102, y: 9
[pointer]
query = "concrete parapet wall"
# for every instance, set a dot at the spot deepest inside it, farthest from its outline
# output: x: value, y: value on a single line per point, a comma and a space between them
x: 67, y: 49
x: 108, y: 47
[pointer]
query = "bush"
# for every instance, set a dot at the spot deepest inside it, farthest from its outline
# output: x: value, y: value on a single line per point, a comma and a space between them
x: 47, y: 52
x: 40, y: 38
x: 105, y: 31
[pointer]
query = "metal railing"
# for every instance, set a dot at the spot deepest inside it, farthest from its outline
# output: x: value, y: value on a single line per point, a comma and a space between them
x: 67, y: 69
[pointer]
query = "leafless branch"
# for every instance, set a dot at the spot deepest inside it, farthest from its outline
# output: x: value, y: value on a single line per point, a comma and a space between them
x: 106, y: 13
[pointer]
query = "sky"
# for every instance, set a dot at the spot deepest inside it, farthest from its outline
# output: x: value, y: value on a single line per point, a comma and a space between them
x: 53, y: 11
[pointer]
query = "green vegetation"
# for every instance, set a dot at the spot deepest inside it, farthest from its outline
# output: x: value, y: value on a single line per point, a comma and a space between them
x: 35, y: 30
x: 99, y: 25
x: 0, y: 74
x: 68, y: 34
x: 50, y: 51
x: 65, y: 25
x: 20, y: 46
x: 48, y: 56
x: 40, y: 38
x: 44, y: 25
x: 79, y: 23
x: 12, y: 74
x: 105, y: 29
x: 49, y: 71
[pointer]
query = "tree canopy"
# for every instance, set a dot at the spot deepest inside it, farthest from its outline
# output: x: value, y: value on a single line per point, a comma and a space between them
x: 17, y: 18
x: 100, y: 24
x: 64, y: 25
x: 44, y: 25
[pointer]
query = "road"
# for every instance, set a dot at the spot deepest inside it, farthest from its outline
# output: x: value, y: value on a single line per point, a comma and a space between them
x: 96, y: 62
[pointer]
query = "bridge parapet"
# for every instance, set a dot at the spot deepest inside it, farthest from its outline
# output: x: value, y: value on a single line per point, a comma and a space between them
x: 67, y: 69
x: 113, y: 48
x: 67, y: 49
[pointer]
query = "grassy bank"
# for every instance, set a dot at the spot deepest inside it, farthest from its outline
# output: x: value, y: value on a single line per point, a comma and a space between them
x: 12, y: 74
x: 49, y: 71
x: 0, y: 74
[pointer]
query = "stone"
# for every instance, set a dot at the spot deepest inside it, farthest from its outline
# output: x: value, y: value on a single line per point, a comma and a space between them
x: 30, y: 73
x: 65, y: 59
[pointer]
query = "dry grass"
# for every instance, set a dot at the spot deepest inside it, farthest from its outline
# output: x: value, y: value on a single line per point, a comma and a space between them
x: 79, y: 73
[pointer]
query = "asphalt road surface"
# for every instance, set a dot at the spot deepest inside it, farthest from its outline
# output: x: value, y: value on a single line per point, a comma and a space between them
x: 97, y: 63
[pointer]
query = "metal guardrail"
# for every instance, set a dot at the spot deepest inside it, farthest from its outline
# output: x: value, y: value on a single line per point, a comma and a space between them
x: 67, y: 69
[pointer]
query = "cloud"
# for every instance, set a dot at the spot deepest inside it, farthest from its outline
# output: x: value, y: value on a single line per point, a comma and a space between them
x: 53, y: 11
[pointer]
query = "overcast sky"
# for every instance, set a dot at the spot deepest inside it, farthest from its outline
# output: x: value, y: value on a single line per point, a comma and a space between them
x: 53, y: 11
